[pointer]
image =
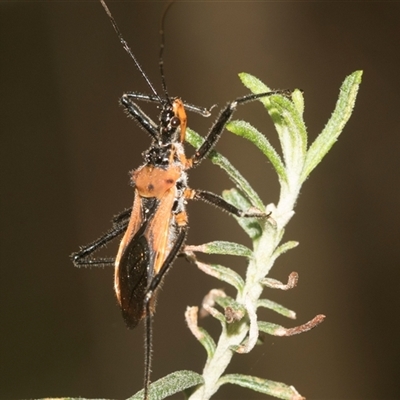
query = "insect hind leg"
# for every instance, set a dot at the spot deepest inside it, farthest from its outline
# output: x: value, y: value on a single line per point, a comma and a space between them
x: 82, y: 257
x: 153, y: 285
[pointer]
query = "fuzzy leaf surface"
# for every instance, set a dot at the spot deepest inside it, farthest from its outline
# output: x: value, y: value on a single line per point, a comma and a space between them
x: 344, y: 107
x: 173, y: 383
x: 272, y: 388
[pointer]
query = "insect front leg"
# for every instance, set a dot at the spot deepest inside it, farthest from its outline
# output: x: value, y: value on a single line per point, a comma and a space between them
x: 151, y: 98
x: 138, y: 114
x: 219, y: 125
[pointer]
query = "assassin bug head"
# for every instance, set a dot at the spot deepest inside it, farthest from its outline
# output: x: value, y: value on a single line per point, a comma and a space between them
x: 173, y: 122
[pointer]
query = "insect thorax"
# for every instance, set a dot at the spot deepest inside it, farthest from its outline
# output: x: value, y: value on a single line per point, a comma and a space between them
x: 163, y: 171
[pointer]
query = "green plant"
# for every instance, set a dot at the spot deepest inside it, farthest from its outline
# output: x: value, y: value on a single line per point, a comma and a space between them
x: 240, y: 325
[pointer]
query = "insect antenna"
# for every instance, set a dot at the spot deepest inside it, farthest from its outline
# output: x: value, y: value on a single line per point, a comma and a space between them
x: 162, y: 45
x: 129, y: 51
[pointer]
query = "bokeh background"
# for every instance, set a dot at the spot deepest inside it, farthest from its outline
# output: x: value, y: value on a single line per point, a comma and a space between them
x: 67, y: 147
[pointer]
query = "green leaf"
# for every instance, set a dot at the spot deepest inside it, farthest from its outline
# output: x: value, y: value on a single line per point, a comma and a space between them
x: 207, y: 342
x: 223, y: 274
x: 269, y: 328
x: 272, y: 388
x: 250, y: 225
x: 236, y: 177
x: 247, y: 131
x: 272, y: 305
x: 298, y: 101
x: 170, y: 384
x: 334, y: 127
x: 283, y: 248
x: 292, y: 132
x: 254, y: 84
x: 278, y: 330
x: 288, y: 120
x: 222, y: 247
x: 69, y: 398
x: 191, y: 316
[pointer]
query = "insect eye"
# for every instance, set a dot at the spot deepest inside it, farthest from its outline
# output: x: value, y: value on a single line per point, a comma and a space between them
x: 175, y: 122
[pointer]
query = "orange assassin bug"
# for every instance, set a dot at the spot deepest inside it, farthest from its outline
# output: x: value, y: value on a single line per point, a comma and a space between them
x: 154, y: 229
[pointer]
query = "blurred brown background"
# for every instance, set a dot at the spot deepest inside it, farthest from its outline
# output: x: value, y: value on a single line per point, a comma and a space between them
x: 67, y: 147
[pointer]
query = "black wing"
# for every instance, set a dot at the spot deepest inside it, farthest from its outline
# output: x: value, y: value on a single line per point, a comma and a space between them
x: 133, y: 278
x: 135, y: 266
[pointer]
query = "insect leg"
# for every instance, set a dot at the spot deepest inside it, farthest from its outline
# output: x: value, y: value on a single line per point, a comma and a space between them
x: 153, y: 285
x: 205, y: 112
x: 219, y: 125
x: 151, y: 98
x: 122, y: 217
x: 139, y: 115
x: 219, y: 202
x: 82, y: 257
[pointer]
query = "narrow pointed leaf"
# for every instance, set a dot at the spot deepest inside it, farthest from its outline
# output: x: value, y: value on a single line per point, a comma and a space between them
x: 68, y: 398
x: 272, y: 305
x: 272, y: 388
x: 191, y: 316
x: 223, y: 274
x: 270, y: 328
x: 341, y: 114
x: 207, y: 342
x: 283, y: 248
x: 298, y: 101
x: 247, y: 131
x: 288, y: 121
x: 256, y: 86
x: 278, y: 330
x: 171, y: 384
x: 292, y: 133
x: 216, y: 158
x: 222, y: 247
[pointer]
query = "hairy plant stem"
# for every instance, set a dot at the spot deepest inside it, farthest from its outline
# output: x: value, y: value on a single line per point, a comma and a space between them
x: 297, y: 161
x: 234, y: 334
